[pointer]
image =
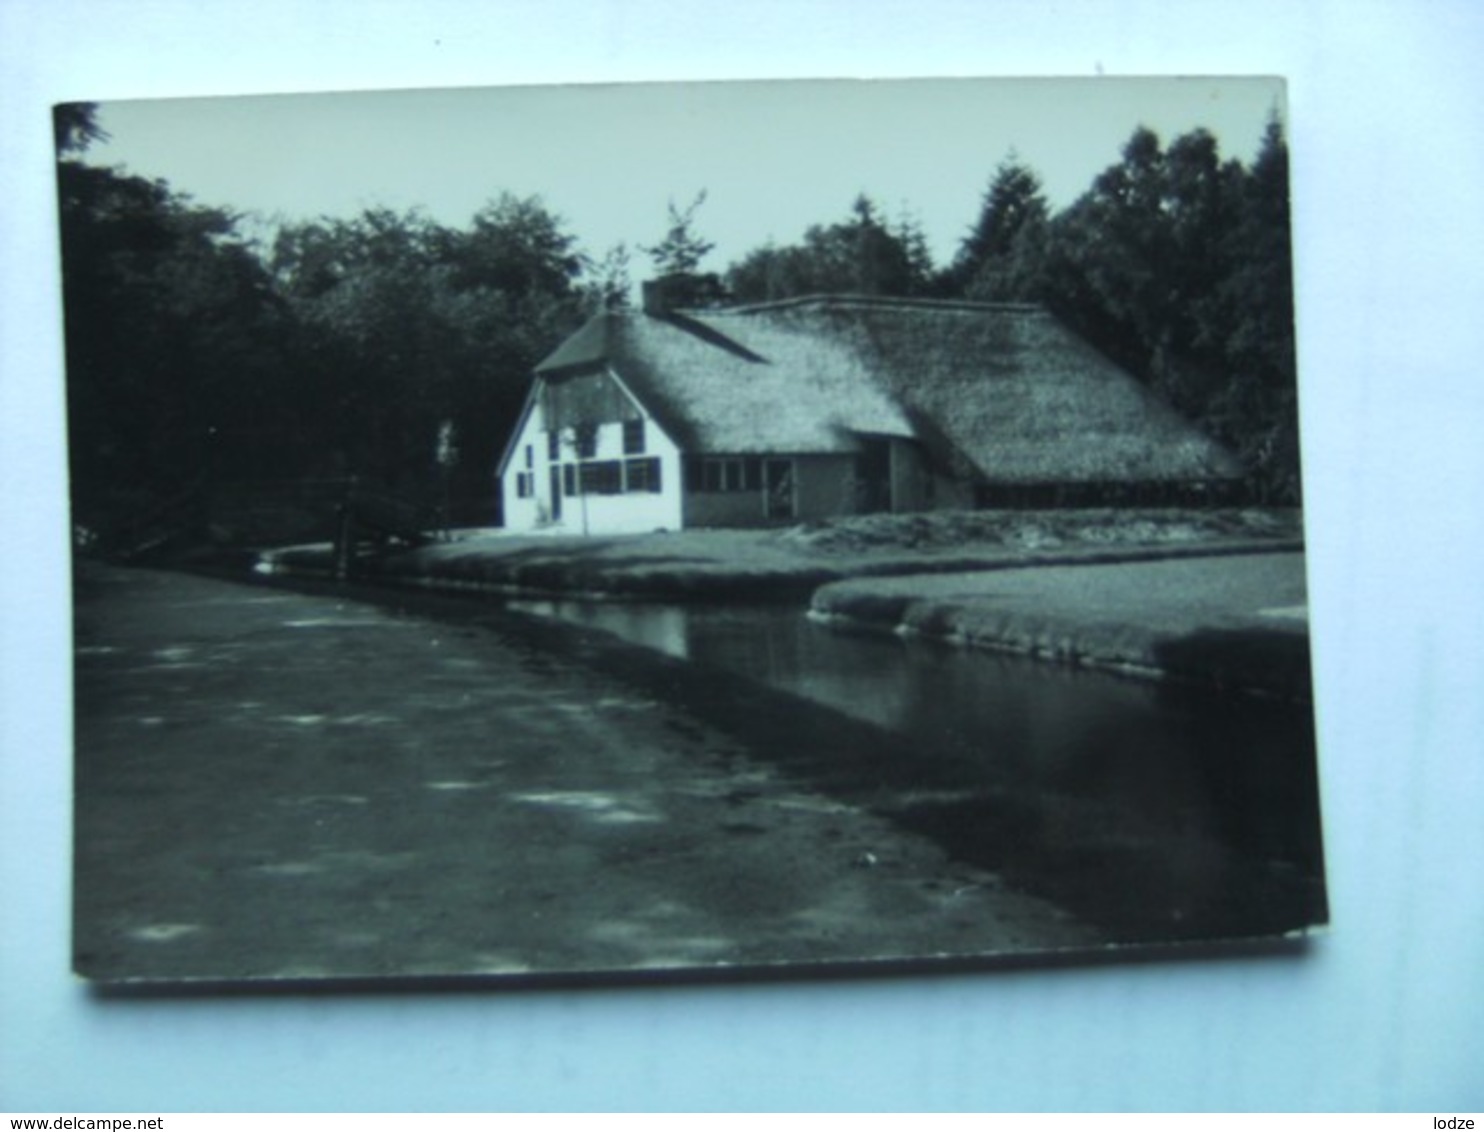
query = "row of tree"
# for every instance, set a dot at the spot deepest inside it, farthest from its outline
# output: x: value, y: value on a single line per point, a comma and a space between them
x: 384, y: 346
x: 1175, y: 262
x: 395, y: 348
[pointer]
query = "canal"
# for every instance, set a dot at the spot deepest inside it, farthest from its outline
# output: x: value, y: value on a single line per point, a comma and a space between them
x: 1151, y: 811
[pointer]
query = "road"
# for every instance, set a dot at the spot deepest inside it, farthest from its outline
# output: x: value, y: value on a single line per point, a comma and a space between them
x: 278, y: 784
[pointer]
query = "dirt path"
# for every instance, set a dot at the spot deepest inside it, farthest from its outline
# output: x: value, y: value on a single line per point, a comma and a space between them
x: 272, y: 784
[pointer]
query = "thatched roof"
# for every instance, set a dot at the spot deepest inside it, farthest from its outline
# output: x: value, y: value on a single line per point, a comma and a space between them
x: 1000, y: 392
x: 783, y: 389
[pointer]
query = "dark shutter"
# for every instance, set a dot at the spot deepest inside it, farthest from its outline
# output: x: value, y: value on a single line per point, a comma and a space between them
x: 633, y: 437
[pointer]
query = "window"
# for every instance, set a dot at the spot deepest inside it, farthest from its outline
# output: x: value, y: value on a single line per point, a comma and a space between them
x: 601, y: 477
x: 587, y: 441
x: 530, y: 461
x: 633, y: 437
x: 734, y: 474
x: 611, y: 477
x: 525, y: 485
x: 642, y: 475
x: 553, y: 445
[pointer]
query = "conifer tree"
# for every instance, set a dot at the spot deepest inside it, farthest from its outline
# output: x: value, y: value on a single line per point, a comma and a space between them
x: 1012, y: 203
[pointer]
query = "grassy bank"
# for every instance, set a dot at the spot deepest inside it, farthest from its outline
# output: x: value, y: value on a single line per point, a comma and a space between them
x: 790, y: 564
x: 1215, y: 597
x: 1236, y: 623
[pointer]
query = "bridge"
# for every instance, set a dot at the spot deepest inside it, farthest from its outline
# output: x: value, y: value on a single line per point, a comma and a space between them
x: 351, y: 512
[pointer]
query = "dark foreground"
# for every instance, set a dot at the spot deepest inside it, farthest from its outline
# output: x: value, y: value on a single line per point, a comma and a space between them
x: 274, y: 784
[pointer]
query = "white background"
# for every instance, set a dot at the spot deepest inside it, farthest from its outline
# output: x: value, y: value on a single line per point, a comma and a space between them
x: 1387, y: 119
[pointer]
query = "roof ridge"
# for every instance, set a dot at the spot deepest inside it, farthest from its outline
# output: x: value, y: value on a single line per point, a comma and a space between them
x: 688, y: 322
x: 846, y: 300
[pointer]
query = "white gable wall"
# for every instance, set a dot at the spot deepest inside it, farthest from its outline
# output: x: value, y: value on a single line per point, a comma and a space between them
x: 624, y: 504
x: 527, y: 512
x: 626, y: 511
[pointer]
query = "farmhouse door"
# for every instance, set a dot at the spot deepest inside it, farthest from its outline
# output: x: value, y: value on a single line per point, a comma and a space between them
x: 873, y: 475
x: 556, y: 493
x: 780, y: 489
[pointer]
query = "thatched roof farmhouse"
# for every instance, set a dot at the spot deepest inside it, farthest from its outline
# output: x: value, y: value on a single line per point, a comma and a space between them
x: 831, y: 405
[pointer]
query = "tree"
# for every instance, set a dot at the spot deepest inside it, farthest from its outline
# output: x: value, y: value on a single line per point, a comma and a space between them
x: 610, y: 284
x: 769, y: 273
x: 408, y: 324
x: 921, y: 275
x: 75, y: 127
x: 864, y: 255
x: 859, y: 256
x: 516, y: 247
x: 681, y: 251
x: 1176, y: 264
x: 992, y: 262
x: 1253, y: 326
x: 1116, y: 262
x: 175, y: 342
x: 374, y: 354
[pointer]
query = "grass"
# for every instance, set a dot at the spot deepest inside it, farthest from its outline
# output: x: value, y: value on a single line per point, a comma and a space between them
x: 1236, y: 622
x: 1202, y: 595
x: 790, y: 563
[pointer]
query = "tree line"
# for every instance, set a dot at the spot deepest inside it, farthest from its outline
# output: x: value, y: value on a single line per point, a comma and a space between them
x: 398, y: 349
x: 1175, y: 262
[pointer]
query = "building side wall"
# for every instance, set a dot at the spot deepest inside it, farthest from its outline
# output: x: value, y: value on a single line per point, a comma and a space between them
x: 825, y: 486
x: 947, y: 494
x: 909, y: 479
x: 822, y: 486
x: 725, y: 509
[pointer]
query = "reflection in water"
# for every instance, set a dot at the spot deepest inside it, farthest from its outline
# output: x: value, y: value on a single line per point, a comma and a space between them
x: 664, y: 628
x: 1161, y: 812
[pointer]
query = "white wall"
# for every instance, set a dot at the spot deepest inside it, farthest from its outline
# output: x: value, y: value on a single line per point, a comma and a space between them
x: 530, y: 512
x: 627, y: 513
x: 632, y: 512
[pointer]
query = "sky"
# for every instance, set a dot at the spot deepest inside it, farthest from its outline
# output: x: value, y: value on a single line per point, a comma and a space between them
x: 772, y: 157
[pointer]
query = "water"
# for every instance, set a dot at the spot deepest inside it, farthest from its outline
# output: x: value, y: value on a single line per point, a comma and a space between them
x: 1154, y: 811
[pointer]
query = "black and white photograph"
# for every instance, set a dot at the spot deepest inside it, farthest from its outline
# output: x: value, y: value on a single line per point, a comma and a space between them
x: 685, y: 530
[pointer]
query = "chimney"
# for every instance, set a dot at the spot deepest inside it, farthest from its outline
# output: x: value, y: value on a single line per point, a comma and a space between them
x: 663, y: 295
x: 681, y: 290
